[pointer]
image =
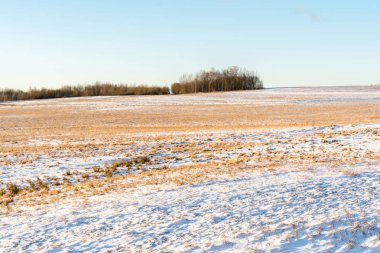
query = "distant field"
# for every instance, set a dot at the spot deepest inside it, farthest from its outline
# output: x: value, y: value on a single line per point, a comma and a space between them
x: 110, y: 116
x: 290, y: 169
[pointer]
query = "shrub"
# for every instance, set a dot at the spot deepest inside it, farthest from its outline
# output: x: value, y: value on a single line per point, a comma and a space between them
x: 2, y: 192
x: 32, y: 185
x: 97, y: 169
x: 13, y: 189
x: 42, y: 185
x: 37, y: 185
x: 66, y: 180
x: 67, y: 173
x: 86, y: 176
x: 109, y: 172
x: 143, y: 159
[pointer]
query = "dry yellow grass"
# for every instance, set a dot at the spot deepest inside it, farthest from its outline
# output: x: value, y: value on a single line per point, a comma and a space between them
x: 76, y: 123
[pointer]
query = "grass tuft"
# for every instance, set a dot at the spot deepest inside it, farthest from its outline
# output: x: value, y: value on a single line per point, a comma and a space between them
x: 13, y: 189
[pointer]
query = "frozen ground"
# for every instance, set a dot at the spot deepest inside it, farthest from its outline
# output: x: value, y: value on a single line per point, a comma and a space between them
x: 318, y: 210
x: 276, y: 170
x: 330, y: 203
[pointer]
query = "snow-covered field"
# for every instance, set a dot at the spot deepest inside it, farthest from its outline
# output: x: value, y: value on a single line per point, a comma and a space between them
x: 342, y: 143
x: 305, y: 208
x: 318, y: 210
x: 301, y: 188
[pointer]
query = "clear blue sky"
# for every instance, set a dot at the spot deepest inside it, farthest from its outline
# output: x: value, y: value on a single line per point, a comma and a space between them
x: 287, y: 42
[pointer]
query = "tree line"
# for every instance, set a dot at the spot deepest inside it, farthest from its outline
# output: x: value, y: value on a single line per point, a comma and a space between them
x: 232, y: 78
x: 228, y: 79
x: 97, y: 89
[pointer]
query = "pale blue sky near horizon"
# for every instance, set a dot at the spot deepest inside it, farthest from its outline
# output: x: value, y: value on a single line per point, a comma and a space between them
x: 50, y: 43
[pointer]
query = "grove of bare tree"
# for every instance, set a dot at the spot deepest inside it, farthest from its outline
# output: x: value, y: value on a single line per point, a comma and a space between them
x: 97, y: 89
x: 229, y: 79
